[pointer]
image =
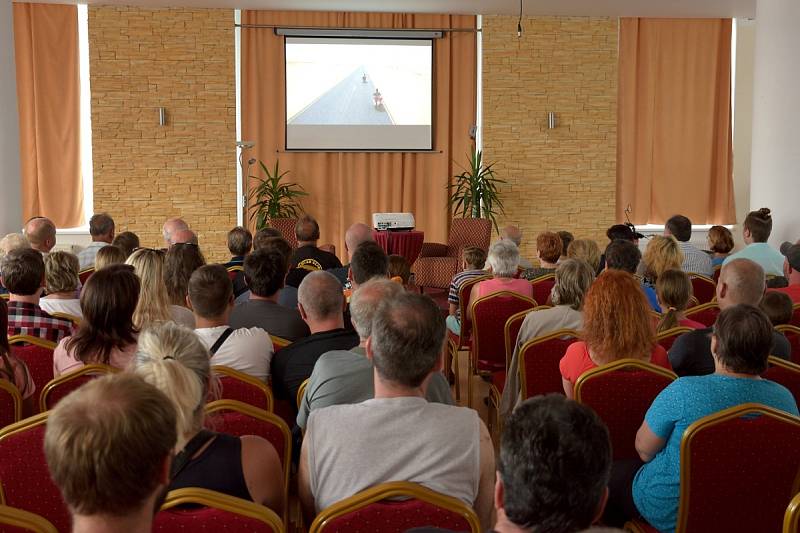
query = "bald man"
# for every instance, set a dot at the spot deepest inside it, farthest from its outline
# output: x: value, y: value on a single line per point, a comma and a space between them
x: 355, y: 235
x: 171, y: 226
x: 184, y: 236
x: 741, y: 281
x: 514, y: 234
x: 41, y: 233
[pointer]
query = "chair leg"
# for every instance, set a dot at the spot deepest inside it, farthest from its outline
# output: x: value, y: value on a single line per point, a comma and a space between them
x: 457, y: 373
x: 469, y: 382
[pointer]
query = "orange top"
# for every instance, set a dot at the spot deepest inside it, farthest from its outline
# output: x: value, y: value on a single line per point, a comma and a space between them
x: 576, y: 360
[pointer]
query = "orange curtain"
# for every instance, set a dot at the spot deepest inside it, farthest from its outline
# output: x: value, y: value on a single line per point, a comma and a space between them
x: 48, y: 96
x: 674, y: 149
x: 347, y: 187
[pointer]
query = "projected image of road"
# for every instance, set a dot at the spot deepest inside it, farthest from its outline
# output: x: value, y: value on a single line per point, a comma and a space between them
x: 358, y: 93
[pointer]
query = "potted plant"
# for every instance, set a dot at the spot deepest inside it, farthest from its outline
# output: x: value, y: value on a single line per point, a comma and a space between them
x: 475, y: 192
x: 272, y: 198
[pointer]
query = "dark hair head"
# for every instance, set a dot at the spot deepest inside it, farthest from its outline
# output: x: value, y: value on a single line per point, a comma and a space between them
x: 679, y: 227
x: 278, y: 244
x: 265, y: 271
x: 306, y: 229
x: 368, y: 261
x: 399, y: 268
x: 744, y: 339
x: 100, y: 224
x: 128, y: 241
x: 778, y: 307
x: 759, y: 224
x: 240, y: 240
x: 181, y: 260
x: 23, y: 271
x: 623, y: 255
x: 720, y: 239
x: 566, y: 239
x: 620, y: 231
x: 406, y: 338
x: 108, y: 301
x: 210, y: 291
x: 555, y: 462
x: 263, y: 235
x: 475, y: 257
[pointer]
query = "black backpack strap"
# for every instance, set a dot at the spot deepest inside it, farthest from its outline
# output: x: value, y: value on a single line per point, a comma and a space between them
x: 183, y: 457
x: 221, y: 340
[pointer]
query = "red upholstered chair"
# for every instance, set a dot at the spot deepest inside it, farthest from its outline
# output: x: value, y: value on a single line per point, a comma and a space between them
x: 10, y: 403
x: 796, y: 315
x: 667, y: 337
x: 542, y: 287
x: 738, y: 470
x: 278, y: 342
x: 38, y: 356
x: 438, y: 263
x: 785, y: 373
x: 511, y: 331
x: 717, y: 270
x: 489, y: 315
x: 286, y: 227
x: 792, y: 334
x: 16, y: 520
x: 464, y: 294
x: 24, y: 478
x: 85, y: 274
x: 791, y: 520
x: 703, y: 288
x: 235, y: 385
x: 620, y: 393
x: 538, y: 363
x: 54, y: 391
x: 369, y: 510
x: 704, y: 313
x: 193, y: 509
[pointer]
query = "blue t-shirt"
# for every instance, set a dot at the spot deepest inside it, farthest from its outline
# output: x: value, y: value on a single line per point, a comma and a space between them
x: 770, y: 259
x: 652, y: 299
x: 656, y: 487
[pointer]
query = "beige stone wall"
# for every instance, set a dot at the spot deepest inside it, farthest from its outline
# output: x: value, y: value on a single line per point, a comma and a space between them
x: 563, y: 178
x: 183, y: 60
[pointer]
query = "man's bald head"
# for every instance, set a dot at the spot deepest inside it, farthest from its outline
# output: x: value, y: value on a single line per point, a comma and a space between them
x: 171, y: 226
x: 355, y: 235
x: 741, y: 281
x: 320, y: 295
x: 41, y: 233
x: 365, y: 301
x: 513, y: 234
x: 184, y: 236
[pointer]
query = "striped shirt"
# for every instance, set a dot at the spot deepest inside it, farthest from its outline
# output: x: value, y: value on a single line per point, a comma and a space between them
x: 29, y: 319
x: 695, y: 261
x: 458, y: 281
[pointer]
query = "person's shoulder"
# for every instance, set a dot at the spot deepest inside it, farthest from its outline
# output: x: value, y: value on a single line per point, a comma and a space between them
x: 250, y: 333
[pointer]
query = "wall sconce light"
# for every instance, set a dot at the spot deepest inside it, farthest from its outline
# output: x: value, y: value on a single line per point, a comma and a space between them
x: 552, y: 120
x: 162, y: 116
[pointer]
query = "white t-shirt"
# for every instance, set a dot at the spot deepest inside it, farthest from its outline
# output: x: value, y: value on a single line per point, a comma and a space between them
x: 247, y: 350
x: 71, y: 306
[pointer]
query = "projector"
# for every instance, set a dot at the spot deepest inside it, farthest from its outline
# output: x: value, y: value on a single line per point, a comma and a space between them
x: 392, y: 221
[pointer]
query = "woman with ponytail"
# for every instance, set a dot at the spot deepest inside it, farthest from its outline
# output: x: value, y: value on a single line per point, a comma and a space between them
x: 172, y: 358
x: 674, y: 290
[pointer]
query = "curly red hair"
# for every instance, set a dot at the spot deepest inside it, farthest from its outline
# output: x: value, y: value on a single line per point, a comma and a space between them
x: 616, y: 319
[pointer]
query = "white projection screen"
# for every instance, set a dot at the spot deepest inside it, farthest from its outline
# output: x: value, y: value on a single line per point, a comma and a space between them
x: 359, y: 94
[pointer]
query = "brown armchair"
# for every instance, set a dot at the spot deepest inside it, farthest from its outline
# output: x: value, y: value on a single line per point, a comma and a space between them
x: 438, y: 263
x: 286, y: 227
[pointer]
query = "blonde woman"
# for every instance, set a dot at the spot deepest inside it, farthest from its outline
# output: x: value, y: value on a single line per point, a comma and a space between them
x: 61, y: 280
x: 587, y: 250
x: 662, y: 254
x: 109, y: 255
x: 154, y: 306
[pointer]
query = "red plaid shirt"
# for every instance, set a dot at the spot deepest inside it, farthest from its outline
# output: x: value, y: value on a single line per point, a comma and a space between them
x: 29, y: 319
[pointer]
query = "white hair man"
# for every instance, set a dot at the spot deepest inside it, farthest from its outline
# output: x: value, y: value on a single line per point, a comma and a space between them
x: 171, y: 226
x: 41, y: 233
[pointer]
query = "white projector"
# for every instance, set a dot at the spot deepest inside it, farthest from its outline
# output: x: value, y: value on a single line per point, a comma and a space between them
x: 392, y: 221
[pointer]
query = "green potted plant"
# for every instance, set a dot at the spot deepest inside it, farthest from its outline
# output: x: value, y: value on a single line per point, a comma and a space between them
x: 272, y: 198
x: 475, y: 191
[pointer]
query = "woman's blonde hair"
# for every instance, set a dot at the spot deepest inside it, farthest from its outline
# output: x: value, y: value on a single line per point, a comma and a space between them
x: 109, y: 255
x: 174, y: 360
x: 61, y: 272
x: 674, y: 289
x: 587, y: 250
x: 153, y: 306
x: 662, y: 254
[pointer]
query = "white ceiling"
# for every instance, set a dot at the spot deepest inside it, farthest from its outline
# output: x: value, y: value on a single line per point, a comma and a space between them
x: 617, y: 8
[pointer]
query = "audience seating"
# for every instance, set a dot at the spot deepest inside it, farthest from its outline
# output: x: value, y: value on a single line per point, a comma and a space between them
x: 511, y: 331
x: 286, y: 227
x: 489, y: 315
x: 785, y: 373
x: 54, y: 391
x: 792, y: 334
x: 234, y: 270
x: 76, y: 320
x: 10, y: 403
x: 796, y: 315
x: 194, y: 509
x: 300, y: 391
x: 235, y: 385
x: 715, y: 276
x: 24, y: 478
x: 494, y: 421
x: 5, y: 296
x: 538, y: 363
x: 738, y: 471
x: 704, y: 313
x: 12, y: 520
x: 620, y: 393
x: 85, y: 274
x: 542, y: 287
x: 703, y: 288
x: 279, y: 343
x: 667, y: 337
x: 38, y: 356
x: 438, y: 263
x: 464, y: 339
x: 791, y: 520
x: 378, y: 510
x: 451, y: 366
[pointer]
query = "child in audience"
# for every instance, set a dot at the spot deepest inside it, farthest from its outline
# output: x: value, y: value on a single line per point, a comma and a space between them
x: 674, y: 290
x: 61, y: 280
x: 399, y: 269
x: 778, y: 307
x: 109, y: 255
x: 473, y: 260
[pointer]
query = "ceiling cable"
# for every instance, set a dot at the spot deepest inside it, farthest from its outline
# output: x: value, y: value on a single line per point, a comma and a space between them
x: 519, y: 21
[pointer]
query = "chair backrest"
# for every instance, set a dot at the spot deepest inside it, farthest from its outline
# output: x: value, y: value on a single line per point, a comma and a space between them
x: 468, y: 232
x: 542, y: 287
x: 489, y: 314
x: 235, y: 385
x: 85, y: 274
x: 511, y: 331
x: 706, y: 314
x: 538, y: 363
x: 795, y: 315
x: 703, y: 287
x: 667, y: 337
x: 791, y: 520
x: 279, y: 343
x: 717, y: 270
x: 55, y: 390
x: 300, y: 391
x: 792, y: 334
x: 76, y: 320
x: 785, y: 373
x: 234, y: 270
x: 37, y: 354
x: 239, y: 419
x: 749, y: 446
x: 620, y: 393
x: 286, y: 227
x: 371, y: 510
x: 13, y: 520
x: 194, y: 509
x: 10, y: 403
x: 464, y: 295
x: 25, y: 481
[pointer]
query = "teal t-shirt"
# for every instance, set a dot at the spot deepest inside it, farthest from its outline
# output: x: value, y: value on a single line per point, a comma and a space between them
x: 770, y: 259
x: 656, y: 487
